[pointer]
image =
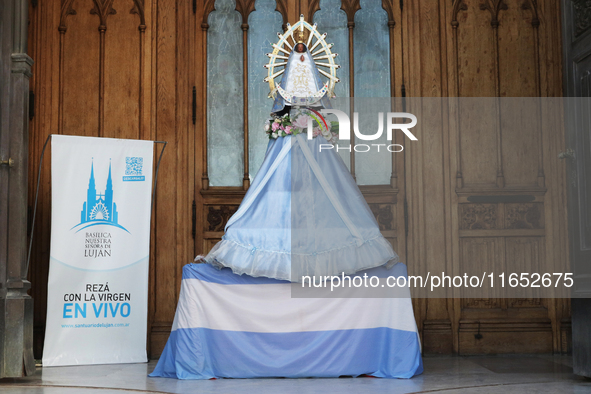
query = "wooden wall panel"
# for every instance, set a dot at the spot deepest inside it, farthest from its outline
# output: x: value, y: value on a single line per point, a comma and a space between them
x: 44, y: 48
x: 475, y: 75
x: 118, y: 69
x: 79, y: 71
x: 493, y: 48
x: 476, y: 62
x: 433, y: 133
x: 519, y: 72
x: 166, y: 234
x: 480, y: 255
x: 532, y: 337
x: 517, y: 52
x: 520, y: 142
x: 478, y: 127
x: 525, y: 254
x: 122, y: 71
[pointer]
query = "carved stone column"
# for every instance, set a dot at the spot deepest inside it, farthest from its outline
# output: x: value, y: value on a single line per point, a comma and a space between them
x: 16, y: 306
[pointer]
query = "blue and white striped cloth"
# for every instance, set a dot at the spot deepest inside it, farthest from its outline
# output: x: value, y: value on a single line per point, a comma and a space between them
x: 237, y: 326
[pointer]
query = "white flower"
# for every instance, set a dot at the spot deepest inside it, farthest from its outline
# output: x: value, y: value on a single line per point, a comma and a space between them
x: 267, y: 126
x: 274, y: 135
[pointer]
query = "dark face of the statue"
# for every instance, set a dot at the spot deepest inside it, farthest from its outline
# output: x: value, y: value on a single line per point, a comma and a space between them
x: 300, y: 48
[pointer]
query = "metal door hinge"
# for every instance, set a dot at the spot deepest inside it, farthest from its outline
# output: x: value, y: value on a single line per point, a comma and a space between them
x: 194, y: 106
x: 31, y: 105
x: 403, y: 93
x: 405, y: 217
x: 194, y: 219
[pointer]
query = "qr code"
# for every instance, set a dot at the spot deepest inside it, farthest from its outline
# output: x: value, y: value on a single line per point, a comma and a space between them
x: 133, y: 165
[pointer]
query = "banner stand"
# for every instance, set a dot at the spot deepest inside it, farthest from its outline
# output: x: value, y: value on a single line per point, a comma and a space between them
x: 39, y: 180
x: 82, y: 285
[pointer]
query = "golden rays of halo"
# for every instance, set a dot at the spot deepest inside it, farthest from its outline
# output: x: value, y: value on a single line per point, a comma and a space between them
x: 320, y: 50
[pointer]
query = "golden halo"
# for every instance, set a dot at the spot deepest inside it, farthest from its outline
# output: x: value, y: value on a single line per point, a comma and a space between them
x: 320, y: 50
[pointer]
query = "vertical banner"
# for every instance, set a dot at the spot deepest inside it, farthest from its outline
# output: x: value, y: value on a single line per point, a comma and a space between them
x: 97, y: 301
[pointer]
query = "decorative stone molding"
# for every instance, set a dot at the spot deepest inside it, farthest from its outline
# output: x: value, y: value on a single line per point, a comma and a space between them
x: 21, y: 64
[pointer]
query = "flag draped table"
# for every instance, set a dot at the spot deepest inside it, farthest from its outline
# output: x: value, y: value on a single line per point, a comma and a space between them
x: 237, y: 326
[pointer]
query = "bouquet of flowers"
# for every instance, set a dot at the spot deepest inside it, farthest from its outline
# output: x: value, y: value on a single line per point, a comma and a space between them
x: 297, y: 123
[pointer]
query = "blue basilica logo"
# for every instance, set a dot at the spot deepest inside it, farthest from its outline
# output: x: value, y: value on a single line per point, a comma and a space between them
x: 99, y: 209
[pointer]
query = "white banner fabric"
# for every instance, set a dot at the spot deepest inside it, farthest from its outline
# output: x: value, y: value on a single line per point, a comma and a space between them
x: 97, y: 301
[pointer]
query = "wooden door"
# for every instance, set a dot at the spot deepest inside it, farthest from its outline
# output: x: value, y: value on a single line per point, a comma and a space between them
x: 576, y: 29
x: 116, y: 69
x: 468, y: 178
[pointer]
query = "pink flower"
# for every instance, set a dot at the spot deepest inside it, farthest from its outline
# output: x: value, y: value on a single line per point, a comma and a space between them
x: 317, y: 131
x: 301, y: 122
x: 288, y: 129
x: 275, y: 126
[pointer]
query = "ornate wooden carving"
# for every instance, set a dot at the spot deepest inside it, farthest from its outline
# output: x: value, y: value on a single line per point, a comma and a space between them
x: 582, y: 16
x: 67, y: 9
x: 282, y: 9
x: 138, y: 8
x: 480, y: 303
x: 103, y: 8
x: 525, y: 303
x: 388, y: 7
x: 350, y: 7
x: 218, y: 216
x: 517, y: 216
x: 313, y: 6
x: 458, y: 5
x: 532, y: 5
x: 524, y: 216
x: 478, y: 216
x: 383, y: 214
x: 245, y: 7
x: 494, y: 6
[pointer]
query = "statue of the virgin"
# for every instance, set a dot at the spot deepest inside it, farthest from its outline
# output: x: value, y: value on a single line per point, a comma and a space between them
x: 303, y: 214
